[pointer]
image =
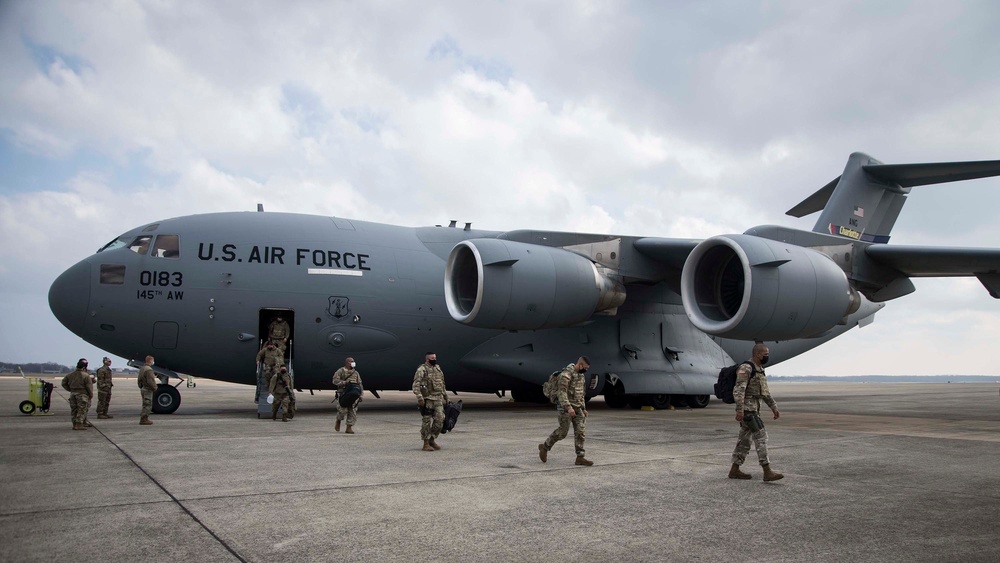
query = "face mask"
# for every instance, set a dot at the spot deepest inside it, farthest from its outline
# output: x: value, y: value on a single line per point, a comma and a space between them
x: 763, y: 360
x: 583, y: 370
x: 353, y: 364
x: 432, y: 362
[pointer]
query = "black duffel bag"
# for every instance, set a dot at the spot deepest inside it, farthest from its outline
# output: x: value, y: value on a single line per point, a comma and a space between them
x: 350, y: 394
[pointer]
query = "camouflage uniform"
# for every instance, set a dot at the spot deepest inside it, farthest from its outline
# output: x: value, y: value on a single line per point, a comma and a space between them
x: 280, y: 386
x: 81, y: 391
x: 572, y: 392
x: 147, y: 386
x: 271, y: 359
x: 278, y: 332
x: 104, y: 385
x: 428, y: 383
x: 748, y: 393
x: 341, y: 378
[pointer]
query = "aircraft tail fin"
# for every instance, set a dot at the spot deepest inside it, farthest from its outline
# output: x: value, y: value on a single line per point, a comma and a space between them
x: 864, y: 202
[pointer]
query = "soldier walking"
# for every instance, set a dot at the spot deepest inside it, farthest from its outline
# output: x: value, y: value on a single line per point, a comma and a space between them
x: 750, y: 389
x: 429, y: 387
x: 270, y: 357
x: 104, y: 385
x: 81, y: 392
x: 147, y: 386
x: 344, y: 376
x: 279, y: 386
x: 571, y: 407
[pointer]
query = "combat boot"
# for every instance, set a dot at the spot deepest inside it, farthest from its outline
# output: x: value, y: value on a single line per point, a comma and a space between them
x: 78, y: 426
x: 434, y: 444
x: 770, y: 475
x: 284, y: 417
x: 145, y: 420
x: 348, y: 431
x: 336, y: 427
x: 104, y: 416
x: 427, y: 446
x: 580, y: 460
x: 543, y: 453
x: 735, y: 473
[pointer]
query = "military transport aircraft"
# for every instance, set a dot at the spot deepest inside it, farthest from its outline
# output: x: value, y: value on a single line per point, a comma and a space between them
x: 658, y: 317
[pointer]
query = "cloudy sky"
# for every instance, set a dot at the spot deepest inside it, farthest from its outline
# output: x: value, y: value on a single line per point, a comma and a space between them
x: 684, y: 119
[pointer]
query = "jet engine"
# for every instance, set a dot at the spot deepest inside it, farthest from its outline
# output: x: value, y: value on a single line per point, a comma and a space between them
x: 494, y: 283
x: 749, y: 288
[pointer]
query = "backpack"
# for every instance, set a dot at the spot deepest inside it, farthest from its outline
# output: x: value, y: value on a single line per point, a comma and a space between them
x: 727, y: 381
x: 551, y: 387
x: 451, y: 412
x: 350, y: 394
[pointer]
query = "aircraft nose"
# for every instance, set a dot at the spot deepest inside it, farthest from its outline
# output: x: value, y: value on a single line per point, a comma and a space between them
x: 69, y: 297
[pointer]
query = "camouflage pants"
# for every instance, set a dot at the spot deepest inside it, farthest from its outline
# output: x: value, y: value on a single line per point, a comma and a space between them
x: 281, y: 401
x: 79, y: 404
x: 147, y: 402
x: 579, y: 429
x: 350, y: 413
x: 743, y: 444
x: 103, y: 400
x: 430, y: 425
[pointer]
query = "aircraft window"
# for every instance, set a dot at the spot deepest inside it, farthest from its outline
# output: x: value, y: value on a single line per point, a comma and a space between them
x: 140, y: 245
x: 112, y: 274
x: 151, y: 228
x: 167, y: 246
x: 117, y: 243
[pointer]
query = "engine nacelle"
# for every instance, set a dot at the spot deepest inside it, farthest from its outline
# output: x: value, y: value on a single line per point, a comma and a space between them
x: 494, y: 283
x: 750, y: 288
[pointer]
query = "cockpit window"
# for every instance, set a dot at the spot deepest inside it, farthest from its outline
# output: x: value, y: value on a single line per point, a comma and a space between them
x: 167, y: 246
x: 117, y: 243
x: 151, y: 228
x: 140, y: 245
x: 112, y: 274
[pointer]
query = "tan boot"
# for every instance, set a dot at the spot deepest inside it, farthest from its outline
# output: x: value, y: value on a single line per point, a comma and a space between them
x: 543, y: 453
x: 104, y: 416
x: 78, y: 426
x: 336, y: 427
x: 348, y: 431
x: 434, y: 444
x: 427, y: 446
x: 770, y: 475
x: 580, y: 460
x: 145, y: 420
x: 735, y: 473
x: 284, y: 417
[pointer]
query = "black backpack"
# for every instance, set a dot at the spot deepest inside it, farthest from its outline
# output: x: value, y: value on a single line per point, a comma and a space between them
x: 727, y: 381
x: 350, y: 394
x: 451, y: 412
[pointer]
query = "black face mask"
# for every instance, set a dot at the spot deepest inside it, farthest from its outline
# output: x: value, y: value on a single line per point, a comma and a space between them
x: 584, y: 370
x: 763, y: 359
x: 432, y: 362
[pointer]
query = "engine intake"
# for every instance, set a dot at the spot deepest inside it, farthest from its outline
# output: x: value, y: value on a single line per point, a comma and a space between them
x: 494, y: 283
x: 750, y: 288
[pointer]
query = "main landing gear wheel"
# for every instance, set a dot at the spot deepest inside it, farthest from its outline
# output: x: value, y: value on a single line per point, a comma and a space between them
x: 697, y: 401
x: 661, y: 402
x: 26, y: 407
x: 166, y: 399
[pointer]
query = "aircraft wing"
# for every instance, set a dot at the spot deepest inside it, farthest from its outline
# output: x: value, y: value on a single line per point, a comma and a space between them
x: 930, y: 261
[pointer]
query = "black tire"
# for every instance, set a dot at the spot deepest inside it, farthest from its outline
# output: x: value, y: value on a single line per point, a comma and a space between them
x: 661, y: 402
x: 166, y: 399
x: 639, y: 401
x: 616, y: 400
x: 697, y: 401
x: 26, y: 407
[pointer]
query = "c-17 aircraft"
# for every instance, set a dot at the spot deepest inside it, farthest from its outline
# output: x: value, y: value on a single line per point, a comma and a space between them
x: 658, y: 317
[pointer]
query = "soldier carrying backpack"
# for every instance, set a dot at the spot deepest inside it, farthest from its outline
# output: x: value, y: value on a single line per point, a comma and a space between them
x: 570, y: 394
x: 749, y: 389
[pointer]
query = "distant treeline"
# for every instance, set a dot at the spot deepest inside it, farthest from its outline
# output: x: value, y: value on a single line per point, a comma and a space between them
x: 890, y: 378
x: 47, y: 367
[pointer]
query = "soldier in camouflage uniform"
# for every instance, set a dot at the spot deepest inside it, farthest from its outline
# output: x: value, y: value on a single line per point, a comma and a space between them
x: 81, y: 392
x: 750, y: 389
x: 278, y: 332
x: 429, y: 387
x: 341, y: 378
x: 147, y: 386
x: 571, y: 408
x: 270, y: 357
x: 280, y: 386
x: 104, y: 385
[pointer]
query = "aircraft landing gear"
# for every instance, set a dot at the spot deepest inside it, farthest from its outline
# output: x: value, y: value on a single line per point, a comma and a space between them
x: 166, y: 399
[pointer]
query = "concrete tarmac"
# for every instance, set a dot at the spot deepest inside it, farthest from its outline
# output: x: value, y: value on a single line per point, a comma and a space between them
x: 873, y: 472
